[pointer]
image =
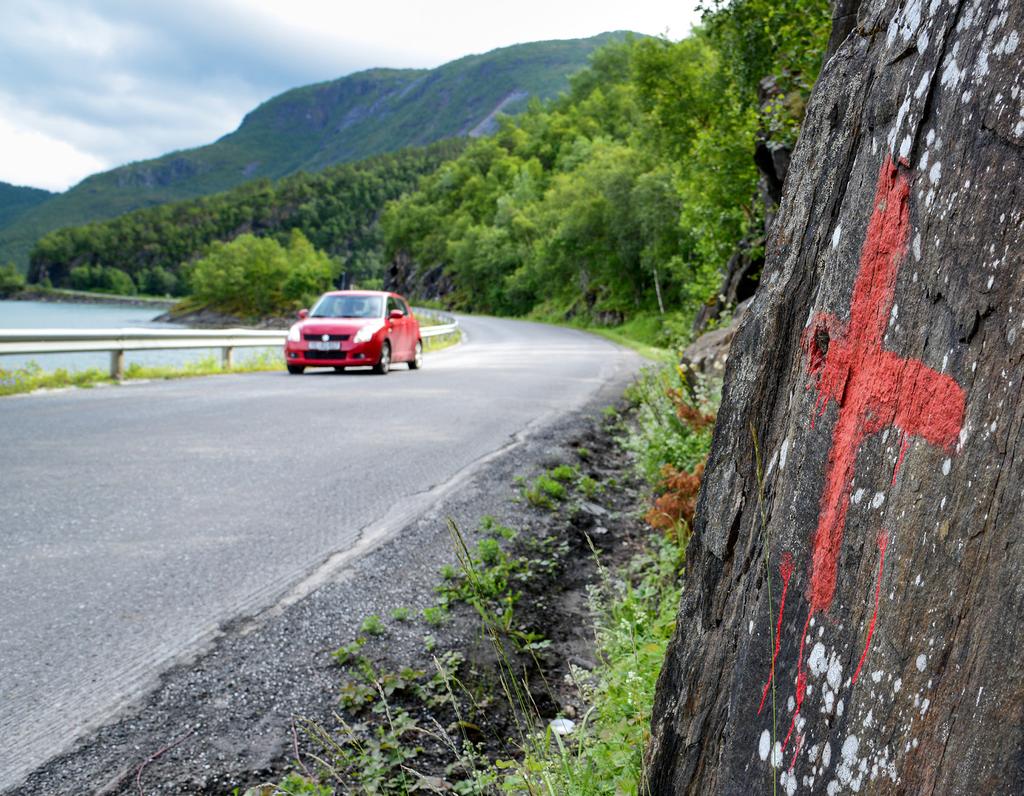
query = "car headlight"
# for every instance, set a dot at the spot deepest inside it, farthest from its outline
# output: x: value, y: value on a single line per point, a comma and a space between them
x: 368, y: 331
x: 295, y: 333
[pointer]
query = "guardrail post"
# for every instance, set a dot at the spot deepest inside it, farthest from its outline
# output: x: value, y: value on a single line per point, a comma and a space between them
x: 228, y: 357
x: 117, y: 364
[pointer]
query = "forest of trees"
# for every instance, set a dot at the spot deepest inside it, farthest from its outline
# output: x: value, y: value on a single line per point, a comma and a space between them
x: 151, y: 250
x: 629, y: 193
x: 620, y: 201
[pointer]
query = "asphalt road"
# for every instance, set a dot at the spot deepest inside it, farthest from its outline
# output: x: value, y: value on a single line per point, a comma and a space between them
x: 137, y: 520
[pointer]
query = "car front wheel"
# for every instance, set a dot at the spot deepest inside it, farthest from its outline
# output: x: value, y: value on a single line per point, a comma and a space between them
x: 295, y: 370
x: 417, y: 358
x: 384, y: 363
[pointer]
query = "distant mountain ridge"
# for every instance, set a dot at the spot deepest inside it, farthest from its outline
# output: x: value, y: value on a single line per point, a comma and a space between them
x: 16, y: 200
x: 313, y: 127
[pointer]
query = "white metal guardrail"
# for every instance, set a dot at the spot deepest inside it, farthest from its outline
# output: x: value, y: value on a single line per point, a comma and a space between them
x: 447, y: 323
x: 117, y: 341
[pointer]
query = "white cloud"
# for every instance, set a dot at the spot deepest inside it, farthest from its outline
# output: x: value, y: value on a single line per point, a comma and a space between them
x: 90, y: 84
x: 28, y: 157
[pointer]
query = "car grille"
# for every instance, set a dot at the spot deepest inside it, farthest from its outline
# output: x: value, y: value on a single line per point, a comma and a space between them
x: 324, y: 354
x: 329, y: 337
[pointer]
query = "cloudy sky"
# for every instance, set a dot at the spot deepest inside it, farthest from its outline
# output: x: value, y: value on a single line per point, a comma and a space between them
x: 86, y: 85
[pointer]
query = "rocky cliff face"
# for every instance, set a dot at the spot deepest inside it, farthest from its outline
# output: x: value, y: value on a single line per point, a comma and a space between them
x: 855, y: 605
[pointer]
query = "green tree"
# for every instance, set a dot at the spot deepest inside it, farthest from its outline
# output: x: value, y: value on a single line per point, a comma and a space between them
x: 102, y: 279
x: 11, y: 280
x: 256, y: 277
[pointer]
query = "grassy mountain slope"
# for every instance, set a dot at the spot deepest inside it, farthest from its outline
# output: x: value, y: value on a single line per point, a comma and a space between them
x: 310, y: 128
x: 16, y: 200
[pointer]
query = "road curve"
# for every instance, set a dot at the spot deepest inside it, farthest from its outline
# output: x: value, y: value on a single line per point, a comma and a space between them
x: 136, y: 520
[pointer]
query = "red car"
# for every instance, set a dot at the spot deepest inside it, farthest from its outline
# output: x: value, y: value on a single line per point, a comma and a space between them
x: 348, y: 328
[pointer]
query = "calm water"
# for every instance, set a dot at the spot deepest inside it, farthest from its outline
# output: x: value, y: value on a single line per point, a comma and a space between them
x: 45, y: 315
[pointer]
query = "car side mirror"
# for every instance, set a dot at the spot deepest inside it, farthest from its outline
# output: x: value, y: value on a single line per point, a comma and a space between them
x: 396, y: 315
x: 303, y: 314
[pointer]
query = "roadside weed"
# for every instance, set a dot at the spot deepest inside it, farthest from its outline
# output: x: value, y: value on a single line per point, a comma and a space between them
x: 674, y: 420
x: 373, y: 626
x: 349, y: 651
x: 564, y: 473
x: 545, y: 491
x: 435, y: 615
x: 588, y: 486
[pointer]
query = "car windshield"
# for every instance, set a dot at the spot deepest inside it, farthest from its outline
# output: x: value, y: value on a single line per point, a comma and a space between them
x: 348, y: 307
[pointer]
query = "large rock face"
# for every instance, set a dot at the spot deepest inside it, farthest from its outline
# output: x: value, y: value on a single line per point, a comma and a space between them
x: 854, y: 614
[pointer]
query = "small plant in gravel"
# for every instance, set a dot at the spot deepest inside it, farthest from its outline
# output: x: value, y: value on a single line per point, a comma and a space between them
x: 491, y: 578
x: 449, y: 572
x: 292, y: 785
x: 369, y: 757
x: 401, y: 614
x: 545, y: 491
x: 588, y: 487
x: 373, y: 626
x: 374, y: 752
x: 489, y: 526
x: 349, y: 651
x: 435, y: 615
x: 564, y: 473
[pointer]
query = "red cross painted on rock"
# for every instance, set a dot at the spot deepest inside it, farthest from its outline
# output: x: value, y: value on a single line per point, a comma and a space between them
x: 874, y: 389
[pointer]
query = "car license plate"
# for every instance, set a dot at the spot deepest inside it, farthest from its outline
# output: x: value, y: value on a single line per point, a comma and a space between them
x: 318, y: 345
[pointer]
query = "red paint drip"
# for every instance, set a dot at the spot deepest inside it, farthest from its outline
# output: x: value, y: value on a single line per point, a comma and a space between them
x: 786, y: 571
x: 904, y: 443
x: 801, y: 681
x: 883, y: 543
x: 796, y: 753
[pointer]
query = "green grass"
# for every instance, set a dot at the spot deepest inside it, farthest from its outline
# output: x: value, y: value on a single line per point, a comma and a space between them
x: 646, y: 350
x: 648, y: 335
x: 430, y: 316
x: 636, y: 610
x: 442, y: 341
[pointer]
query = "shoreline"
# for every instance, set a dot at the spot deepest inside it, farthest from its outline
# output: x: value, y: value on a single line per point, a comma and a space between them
x: 211, y: 319
x: 81, y: 297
